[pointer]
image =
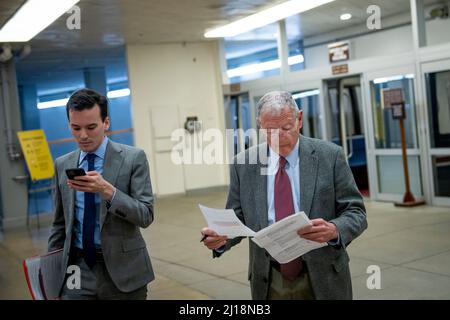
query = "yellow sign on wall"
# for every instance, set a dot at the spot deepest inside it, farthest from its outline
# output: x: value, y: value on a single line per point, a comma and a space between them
x: 37, y: 154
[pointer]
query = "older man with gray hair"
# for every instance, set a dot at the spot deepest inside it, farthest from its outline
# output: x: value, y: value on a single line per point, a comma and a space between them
x: 304, y: 174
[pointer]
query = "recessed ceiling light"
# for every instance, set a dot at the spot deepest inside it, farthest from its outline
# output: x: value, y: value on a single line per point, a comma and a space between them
x: 346, y: 16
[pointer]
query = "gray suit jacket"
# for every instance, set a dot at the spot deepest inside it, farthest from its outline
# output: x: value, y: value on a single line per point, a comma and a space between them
x: 327, y: 191
x: 124, y: 249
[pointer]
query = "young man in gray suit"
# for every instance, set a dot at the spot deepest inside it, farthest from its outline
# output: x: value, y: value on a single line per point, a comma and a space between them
x: 303, y: 174
x: 98, y: 215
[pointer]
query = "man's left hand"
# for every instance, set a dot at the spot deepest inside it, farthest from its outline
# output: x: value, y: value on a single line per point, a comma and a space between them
x: 319, y: 231
x: 93, y: 182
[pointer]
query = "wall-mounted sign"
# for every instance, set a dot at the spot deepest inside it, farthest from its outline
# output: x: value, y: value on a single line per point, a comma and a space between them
x: 392, y: 97
x: 339, y: 51
x: 37, y: 154
x: 235, y: 87
x: 339, y: 69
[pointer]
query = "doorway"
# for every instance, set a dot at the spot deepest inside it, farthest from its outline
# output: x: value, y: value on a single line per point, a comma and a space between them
x: 345, y: 124
x: 384, y: 135
x: 437, y: 80
x: 309, y: 102
x: 238, y: 116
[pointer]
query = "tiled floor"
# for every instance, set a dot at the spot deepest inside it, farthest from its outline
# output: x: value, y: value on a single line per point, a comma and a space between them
x: 411, y: 247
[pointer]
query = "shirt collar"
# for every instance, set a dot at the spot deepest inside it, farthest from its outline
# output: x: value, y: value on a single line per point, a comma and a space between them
x: 292, y: 158
x: 100, y: 152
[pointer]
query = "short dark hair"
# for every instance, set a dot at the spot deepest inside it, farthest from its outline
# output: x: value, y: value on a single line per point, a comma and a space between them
x: 86, y: 99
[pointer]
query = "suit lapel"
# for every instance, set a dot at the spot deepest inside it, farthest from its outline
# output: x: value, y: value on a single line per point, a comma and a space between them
x: 261, y: 189
x: 111, y: 168
x: 308, y: 174
x: 72, y: 163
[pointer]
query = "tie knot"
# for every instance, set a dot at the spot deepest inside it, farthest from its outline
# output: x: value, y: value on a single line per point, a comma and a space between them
x: 282, y: 162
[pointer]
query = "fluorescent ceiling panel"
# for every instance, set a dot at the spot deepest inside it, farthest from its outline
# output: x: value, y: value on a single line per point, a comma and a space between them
x: 265, y: 17
x: 33, y: 17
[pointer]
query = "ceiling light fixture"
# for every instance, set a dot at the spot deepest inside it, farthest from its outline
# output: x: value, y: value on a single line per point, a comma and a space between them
x: 394, y: 78
x: 118, y: 93
x: 254, y: 68
x: 33, y: 17
x: 296, y: 59
x: 63, y: 102
x: 52, y: 104
x: 305, y: 94
x: 346, y: 16
x: 263, y: 66
x: 265, y: 17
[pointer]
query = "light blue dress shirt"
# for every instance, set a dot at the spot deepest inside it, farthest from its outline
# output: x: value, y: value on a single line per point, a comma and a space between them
x: 79, y: 198
x: 292, y: 169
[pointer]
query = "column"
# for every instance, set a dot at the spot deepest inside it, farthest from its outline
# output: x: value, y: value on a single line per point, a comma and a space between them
x: 28, y: 106
x: 13, y: 182
x: 418, y: 24
x: 95, y: 78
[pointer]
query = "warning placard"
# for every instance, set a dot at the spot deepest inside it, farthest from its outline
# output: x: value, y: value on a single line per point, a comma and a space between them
x: 392, y: 97
x: 37, y: 154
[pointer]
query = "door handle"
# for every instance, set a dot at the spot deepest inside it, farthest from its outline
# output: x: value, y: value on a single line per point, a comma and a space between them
x: 21, y: 179
x: 350, y: 139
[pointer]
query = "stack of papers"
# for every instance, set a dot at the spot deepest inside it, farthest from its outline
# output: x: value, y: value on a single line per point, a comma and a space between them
x: 279, y: 239
x: 43, y: 275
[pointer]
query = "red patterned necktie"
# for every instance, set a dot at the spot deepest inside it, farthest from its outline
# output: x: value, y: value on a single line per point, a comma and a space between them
x: 284, y: 206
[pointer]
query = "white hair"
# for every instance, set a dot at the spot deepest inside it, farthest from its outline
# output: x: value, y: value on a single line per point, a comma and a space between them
x: 274, y: 102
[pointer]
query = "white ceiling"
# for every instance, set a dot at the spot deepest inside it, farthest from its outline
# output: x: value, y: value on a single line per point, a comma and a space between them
x: 107, y: 25
x: 115, y: 22
x: 58, y: 54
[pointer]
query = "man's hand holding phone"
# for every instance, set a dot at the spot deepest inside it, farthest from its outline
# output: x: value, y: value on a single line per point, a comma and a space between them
x: 75, y: 172
x: 90, y: 181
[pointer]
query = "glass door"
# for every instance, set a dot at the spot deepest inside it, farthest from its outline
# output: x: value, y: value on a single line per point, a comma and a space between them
x: 345, y: 125
x: 386, y: 170
x: 238, y: 116
x: 309, y: 102
x: 437, y: 80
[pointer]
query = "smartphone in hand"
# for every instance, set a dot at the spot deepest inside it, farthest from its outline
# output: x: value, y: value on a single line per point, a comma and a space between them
x: 75, y: 172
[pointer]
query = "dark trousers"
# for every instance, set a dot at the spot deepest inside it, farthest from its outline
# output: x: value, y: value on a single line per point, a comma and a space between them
x: 96, y: 283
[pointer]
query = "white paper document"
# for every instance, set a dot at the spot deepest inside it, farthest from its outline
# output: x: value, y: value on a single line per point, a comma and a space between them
x: 225, y: 222
x: 279, y: 239
x: 282, y: 241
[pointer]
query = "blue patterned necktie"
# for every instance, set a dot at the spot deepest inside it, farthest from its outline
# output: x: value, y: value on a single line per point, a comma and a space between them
x: 89, y: 220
